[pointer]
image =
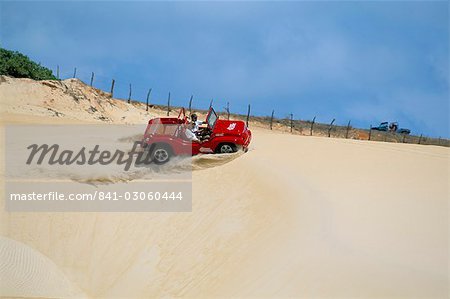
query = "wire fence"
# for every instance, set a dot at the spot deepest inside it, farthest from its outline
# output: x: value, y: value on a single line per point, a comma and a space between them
x: 124, y: 89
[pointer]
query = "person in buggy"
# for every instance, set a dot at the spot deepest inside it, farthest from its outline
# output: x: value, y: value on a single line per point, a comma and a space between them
x: 195, y: 124
x: 194, y: 132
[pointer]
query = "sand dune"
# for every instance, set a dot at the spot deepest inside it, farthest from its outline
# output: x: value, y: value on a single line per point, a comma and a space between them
x: 26, y: 272
x: 296, y: 216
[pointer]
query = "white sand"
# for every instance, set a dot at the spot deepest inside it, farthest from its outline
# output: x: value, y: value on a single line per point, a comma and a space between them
x: 305, y: 217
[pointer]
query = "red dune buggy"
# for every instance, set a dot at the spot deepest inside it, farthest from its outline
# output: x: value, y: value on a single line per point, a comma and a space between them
x: 166, y: 137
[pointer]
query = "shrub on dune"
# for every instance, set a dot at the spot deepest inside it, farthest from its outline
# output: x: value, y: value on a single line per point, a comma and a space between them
x: 15, y: 64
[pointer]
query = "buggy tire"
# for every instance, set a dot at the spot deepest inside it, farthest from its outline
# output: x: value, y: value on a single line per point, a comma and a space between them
x: 226, y: 148
x: 161, y: 154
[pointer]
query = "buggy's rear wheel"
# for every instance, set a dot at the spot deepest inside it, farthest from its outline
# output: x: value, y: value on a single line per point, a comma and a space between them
x: 161, y: 154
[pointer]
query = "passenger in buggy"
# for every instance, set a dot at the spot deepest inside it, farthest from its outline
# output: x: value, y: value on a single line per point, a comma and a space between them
x: 190, y: 135
x: 194, y: 130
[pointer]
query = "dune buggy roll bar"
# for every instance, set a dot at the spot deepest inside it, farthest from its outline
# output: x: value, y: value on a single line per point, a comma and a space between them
x: 182, y: 112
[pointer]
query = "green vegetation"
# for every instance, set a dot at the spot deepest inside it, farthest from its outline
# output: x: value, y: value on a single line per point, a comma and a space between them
x: 15, y: 64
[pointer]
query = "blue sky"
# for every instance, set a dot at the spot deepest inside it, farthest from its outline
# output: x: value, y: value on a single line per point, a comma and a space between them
x: 364, y: 61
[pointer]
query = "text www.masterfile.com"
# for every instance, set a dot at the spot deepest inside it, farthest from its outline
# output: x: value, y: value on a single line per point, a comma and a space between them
x: 97, y: 195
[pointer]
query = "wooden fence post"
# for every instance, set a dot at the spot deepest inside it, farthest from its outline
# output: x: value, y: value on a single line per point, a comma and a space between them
x: 92, y: 79
x: 129, y: 95
x: 168, y: 104
x: 248, y: 115
x: 420, y: 138
x: 370, y: 132
x: 271, y: 119
x: 292, y: 123
x: 312, y: 126
x: 190, y: 105
x: 148, y: 96
x: 75, y: 73
x: 112, y: 87
x: 348, y: 128
x: 439, y: 140
x: 330, y: 127
x: 57, y: 71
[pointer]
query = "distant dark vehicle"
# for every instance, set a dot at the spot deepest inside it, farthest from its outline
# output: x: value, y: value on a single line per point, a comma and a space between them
x: 384, y: 126
x: 404, y: 131
x: 391, y: 127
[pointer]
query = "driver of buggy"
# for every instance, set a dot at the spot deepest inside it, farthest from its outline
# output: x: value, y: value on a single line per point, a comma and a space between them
x: 195, y: 124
